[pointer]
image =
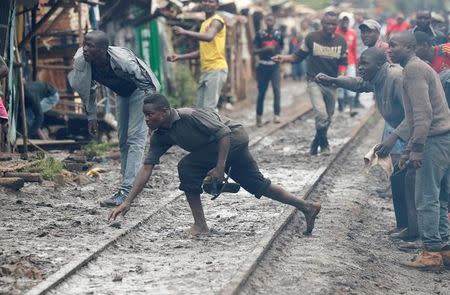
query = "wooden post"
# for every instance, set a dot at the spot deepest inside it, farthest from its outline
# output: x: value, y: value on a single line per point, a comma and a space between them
x: 33, y: 43
x: 22, y: 108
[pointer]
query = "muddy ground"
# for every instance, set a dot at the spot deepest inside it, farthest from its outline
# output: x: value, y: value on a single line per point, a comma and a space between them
x: 43, y: 227
x: 350, y: 252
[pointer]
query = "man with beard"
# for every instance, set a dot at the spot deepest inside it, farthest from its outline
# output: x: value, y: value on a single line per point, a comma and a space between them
x: 428, y: 116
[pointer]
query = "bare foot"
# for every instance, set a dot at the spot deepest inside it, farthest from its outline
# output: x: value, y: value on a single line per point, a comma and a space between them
x: 310, y: 217
x: 197, y: 230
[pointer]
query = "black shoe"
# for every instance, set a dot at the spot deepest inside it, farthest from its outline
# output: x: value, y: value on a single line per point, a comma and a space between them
x: 341, y: 105
x: 323, y: 140
x: 314, y: 145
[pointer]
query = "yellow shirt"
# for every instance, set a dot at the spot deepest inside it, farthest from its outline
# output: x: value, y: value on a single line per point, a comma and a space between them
x: 212, y: 54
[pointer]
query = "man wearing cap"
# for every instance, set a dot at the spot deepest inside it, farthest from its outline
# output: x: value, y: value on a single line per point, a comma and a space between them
x: 325, y: 51
x: 350, y: 35
x: 370, y: 34
x: 423, y: 21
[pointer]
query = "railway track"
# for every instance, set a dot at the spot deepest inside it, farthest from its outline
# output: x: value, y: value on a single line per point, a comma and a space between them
x: 256, y: 135
x: 78, y: 273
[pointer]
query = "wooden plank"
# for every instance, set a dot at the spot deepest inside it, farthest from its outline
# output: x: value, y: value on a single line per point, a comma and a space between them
x: 26, y: 176
x: 14, y: 183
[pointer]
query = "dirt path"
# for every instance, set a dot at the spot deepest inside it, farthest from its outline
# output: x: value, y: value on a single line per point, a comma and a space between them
x: 350, y: 252
x: 45, y: 227
x: 160, y: 258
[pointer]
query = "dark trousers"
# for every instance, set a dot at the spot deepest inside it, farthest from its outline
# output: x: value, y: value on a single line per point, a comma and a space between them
x: 266, y: 74
x: 399, y: 198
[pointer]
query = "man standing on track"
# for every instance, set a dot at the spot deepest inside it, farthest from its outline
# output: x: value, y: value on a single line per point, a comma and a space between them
x: 267, y: 44
x: 326, y: 52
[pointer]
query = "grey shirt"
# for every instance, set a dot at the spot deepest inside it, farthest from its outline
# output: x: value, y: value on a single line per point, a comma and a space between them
x: 193, y: 129
x: 387, y: 87
x: 426, y: 108
x: 124, y: 63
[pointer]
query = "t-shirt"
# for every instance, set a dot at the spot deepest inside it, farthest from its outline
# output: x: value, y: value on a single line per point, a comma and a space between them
x: 212, y: 53
x: 193, y: 129
x: 324, y: 54
x: 121, y: 86
x: 441, y: 59
x: 266, y: 39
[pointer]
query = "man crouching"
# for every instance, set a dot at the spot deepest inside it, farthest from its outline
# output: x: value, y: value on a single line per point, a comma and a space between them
x: 216, y: 144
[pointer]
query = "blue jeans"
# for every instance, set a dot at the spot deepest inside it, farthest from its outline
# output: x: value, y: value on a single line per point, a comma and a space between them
x: 265, y: 75
x: 323, y: 100
x: 400, y: 144
x: 431, y: 196
x: 132, y: 132
x: 48, y: 102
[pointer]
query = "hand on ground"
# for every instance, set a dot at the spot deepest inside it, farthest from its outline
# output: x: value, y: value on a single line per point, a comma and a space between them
x: 121, y: 209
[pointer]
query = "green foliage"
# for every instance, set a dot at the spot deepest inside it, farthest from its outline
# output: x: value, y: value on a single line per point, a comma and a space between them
x: 95, y: 148
x: 315, y: 4
x: 48, y: 167
x: 185, y: 87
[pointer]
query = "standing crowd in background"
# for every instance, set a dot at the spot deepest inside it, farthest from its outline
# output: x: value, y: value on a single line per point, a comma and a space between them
x: 404, y: 62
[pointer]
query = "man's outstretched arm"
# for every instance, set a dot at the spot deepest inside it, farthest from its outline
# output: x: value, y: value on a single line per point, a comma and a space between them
x: 141, y: 179
x: 177, y: 57
x: 212, y: 31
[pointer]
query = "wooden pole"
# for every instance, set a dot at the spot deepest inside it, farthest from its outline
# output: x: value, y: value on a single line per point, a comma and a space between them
x: 24, y: 155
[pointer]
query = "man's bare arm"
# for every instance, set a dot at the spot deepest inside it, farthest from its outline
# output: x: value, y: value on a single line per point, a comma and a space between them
x: 141, y: 179
x: 212, y: 31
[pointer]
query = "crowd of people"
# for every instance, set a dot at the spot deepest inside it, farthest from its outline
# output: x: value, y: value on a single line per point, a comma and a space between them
x: 402, y: 71
x: 407, y: 67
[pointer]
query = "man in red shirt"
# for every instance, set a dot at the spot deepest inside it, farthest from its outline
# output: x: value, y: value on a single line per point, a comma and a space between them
x: 351, y: 37
x: 437, y: 56
x: 399, y: 25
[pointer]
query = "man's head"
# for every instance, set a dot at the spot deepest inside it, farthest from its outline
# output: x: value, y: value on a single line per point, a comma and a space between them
x: 95, y: 45
x: 402, y: 46
x: 329, y: 23
x: 344, y: 21
x: 400, y: 18
x: 424, y: 47
x: 210, y: 6
x: 370, y: 62
x: 423, y: 19
x: 270, y: 21
x: 370, y: 32
x: 156, y: 110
